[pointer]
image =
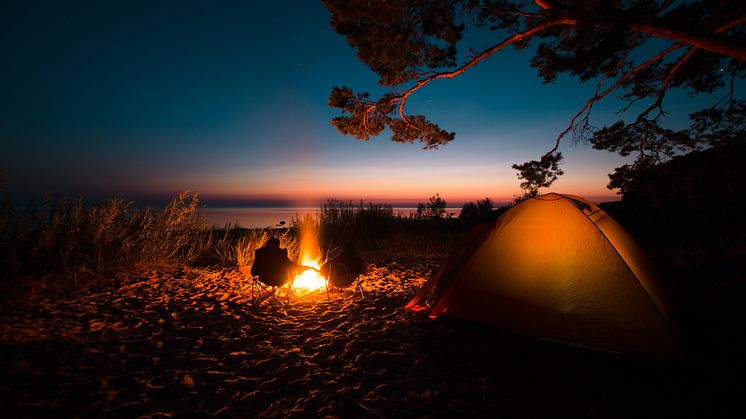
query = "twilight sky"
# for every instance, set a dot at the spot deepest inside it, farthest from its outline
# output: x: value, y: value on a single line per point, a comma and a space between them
x: 229, y: 99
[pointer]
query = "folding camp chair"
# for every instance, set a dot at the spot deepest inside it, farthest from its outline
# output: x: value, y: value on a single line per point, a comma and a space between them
x: 339, y: 277
x: 258, y: 286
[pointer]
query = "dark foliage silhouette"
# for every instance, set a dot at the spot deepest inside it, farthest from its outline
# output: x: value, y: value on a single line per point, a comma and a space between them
x: 635, y: 49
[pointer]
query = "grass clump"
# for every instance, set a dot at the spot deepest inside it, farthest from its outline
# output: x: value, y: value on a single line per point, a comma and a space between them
x: 343, y: 217
x: 70, y: 240
x: 376, y: 228
x: 235, y: 246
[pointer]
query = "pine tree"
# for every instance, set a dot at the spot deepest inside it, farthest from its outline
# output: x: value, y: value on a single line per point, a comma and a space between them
x: 410, y: 43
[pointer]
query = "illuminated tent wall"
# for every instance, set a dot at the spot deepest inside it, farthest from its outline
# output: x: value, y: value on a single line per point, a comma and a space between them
x: 557, y: 267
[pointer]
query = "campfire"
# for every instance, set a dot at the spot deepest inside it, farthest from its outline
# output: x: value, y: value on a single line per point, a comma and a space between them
x: 309, y: 280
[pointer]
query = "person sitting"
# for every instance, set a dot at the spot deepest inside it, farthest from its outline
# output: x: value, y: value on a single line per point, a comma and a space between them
x: 343, y: 269
x: 272, y: 265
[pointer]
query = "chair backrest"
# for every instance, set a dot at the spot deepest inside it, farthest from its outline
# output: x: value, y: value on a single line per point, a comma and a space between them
x: 341, y: 275
x: 271, y: 266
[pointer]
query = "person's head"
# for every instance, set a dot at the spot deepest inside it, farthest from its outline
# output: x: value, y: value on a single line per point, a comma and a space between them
x: 273, y: 243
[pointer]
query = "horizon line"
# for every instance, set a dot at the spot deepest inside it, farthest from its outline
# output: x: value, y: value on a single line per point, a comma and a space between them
x: 217, y: 201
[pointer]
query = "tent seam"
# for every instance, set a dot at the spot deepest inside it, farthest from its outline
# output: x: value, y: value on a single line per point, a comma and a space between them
x: 647, y: 294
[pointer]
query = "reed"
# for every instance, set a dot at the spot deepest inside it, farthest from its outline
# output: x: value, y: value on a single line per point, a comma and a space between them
x: 345, y: 221
x: 376, y: 228
x: 249, y: 240
x: 66, y: 239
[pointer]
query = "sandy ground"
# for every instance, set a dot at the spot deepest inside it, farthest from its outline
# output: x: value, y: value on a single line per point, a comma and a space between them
x: 190, y: 343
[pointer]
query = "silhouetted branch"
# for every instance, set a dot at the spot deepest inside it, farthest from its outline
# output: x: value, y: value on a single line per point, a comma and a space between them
x: 402, y: 97
x: 732, y: 82
x: 512, y: 12
x: 664, y: 86
x: 629, y: 104
x: 675, y: 69
x: 611, y: 88
x: 665, y: 5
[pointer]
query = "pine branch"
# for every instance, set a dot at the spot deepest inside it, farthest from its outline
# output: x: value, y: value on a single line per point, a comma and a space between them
x: 512, y: 12
x: 611, y: 88
x: 402, y: 97
x: 664, y: 86
x: 675, y: 69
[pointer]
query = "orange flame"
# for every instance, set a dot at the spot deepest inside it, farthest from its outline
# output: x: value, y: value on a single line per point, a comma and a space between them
x: 310, y: 280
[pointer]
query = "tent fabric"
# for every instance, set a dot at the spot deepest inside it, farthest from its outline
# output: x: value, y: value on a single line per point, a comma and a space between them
x: 557, y: 267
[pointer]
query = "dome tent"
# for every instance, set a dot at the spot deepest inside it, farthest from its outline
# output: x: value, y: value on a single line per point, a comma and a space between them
x: 557, y: 267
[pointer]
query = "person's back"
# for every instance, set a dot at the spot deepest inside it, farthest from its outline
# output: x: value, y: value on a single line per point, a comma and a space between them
x: 271, y: 264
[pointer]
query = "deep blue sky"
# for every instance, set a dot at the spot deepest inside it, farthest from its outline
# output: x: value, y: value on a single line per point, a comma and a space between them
x: 229, y: 99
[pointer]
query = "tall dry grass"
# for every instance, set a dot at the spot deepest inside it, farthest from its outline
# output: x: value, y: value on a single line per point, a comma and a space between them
x: 375, y: 228
x: 235, y: 246
x: 67, y: 239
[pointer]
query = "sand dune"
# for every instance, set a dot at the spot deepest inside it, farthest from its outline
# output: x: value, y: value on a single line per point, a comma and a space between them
x: 191, y: 343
